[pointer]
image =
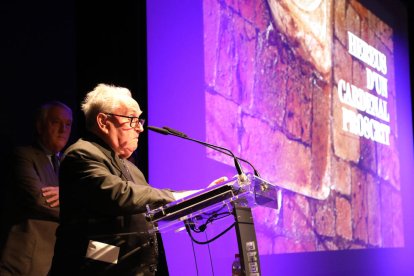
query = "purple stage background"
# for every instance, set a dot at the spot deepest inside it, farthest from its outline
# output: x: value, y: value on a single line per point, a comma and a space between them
x: 205, y: 79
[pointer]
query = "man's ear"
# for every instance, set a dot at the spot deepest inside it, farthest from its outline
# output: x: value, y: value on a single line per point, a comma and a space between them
x: 102, y: 122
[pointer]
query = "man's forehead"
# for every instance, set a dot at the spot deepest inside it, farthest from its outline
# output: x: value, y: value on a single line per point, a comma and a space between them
x: 129, y: 110
x: 59, y: 111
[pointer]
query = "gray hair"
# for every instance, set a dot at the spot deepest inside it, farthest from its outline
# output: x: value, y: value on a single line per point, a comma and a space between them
x: 105, y: 98
x: 43, y: 111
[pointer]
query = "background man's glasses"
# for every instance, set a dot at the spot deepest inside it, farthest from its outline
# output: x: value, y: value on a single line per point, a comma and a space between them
x: 133, y: 121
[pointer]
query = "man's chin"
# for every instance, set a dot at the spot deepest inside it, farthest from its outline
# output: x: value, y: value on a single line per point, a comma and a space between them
x: 59, y: 146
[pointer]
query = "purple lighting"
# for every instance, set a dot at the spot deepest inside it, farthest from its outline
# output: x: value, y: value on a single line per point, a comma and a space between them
x: 232, y: 74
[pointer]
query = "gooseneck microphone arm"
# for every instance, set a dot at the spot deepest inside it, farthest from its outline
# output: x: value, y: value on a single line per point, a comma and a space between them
x: 170, y: 131
x: 167, y: 131
x: 178, y: 133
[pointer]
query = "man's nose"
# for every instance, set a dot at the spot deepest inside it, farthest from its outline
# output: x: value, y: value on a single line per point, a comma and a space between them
x: 139, y: 128
x: 64, y: 127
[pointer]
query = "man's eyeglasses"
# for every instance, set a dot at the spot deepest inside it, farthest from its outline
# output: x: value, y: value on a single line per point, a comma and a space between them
x: 133, y: 121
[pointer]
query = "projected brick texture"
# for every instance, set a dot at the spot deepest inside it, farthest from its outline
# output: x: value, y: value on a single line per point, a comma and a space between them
x: 271, y: 96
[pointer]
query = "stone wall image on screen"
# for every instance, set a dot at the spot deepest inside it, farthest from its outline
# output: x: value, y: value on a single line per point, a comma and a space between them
x: 305, y: 90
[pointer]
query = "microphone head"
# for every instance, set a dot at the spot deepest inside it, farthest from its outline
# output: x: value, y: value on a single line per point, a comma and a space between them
x: 159, y: 130
x: 175, y: 132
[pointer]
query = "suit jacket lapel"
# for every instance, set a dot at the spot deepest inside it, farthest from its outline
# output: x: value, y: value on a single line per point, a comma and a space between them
x: 115, y: 160
x: 42, y: 160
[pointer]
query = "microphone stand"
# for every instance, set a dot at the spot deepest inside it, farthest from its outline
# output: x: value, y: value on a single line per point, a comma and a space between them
x: 169, y: 131
x: 183, y: 135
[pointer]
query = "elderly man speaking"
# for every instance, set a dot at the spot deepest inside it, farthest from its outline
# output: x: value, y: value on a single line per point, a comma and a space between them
x: 103, y: 230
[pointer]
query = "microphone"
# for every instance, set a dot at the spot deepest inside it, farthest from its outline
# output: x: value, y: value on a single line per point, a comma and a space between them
x: 226, y: 151
x: 173, y: 132
x: 176, y: 132
x: 242, y: 175
x: 159, y: 130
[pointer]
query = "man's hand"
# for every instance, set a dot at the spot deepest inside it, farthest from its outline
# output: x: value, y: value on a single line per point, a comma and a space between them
x: 218, y: 181
x: 52, y: 195
x: 179, y: 195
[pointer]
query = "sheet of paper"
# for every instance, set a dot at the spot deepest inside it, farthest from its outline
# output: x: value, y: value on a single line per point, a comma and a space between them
x: 102, y: 252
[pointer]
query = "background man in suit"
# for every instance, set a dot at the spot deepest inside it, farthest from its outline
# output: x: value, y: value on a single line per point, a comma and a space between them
x: 103, y: 230
x: 33, y: 202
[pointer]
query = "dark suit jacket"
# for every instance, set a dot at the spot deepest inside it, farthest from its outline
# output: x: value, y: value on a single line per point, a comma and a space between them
x: 30, y: 242
x: 102, y: 201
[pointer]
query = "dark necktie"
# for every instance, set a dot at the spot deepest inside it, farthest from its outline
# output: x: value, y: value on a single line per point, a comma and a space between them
x: 125, y: 170
x: 55, y: 163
